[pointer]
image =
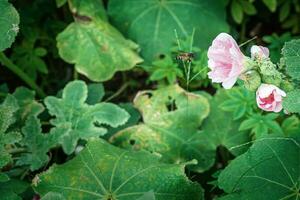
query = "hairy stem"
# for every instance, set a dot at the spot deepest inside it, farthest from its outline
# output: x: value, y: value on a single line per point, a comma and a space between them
x: 21, y: 74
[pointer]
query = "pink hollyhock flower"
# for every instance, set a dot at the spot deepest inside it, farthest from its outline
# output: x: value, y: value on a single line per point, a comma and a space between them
x: 225, y: 60
x: 269, y: 97
x: 259, y: 51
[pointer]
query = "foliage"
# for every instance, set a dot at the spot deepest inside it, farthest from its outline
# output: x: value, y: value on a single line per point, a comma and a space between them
x: 162, y: 17
x: 90, y: 36
x: 115, y: 173
x: 9, y: 23
x: 75, y: 119
x: 291, y: 58
x: 249, y: 175
x: 113, y: 110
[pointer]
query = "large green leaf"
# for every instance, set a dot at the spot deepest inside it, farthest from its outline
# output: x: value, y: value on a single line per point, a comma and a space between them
x: 9, y: 23
x: 291, y: 102
x: 96, y: 48
x: 102, y: 171
x: 152, y: 23
x: 270, y: 169
x: 80, y: 120
x: 291, y: 55
x: 171, y: 118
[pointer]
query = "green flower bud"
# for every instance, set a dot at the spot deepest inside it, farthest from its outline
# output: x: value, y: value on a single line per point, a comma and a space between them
x: 269, y: 73
x: 251, y: 80
x: 249, y: 64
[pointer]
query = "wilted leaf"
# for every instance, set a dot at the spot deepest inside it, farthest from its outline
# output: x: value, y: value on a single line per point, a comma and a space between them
x: 171, y: 118
x: 9, y: 23
x: 102, y: 171
x: 270, y: 169
x: 80, y: 120
x: 96, y: 48
x: 152, y: 23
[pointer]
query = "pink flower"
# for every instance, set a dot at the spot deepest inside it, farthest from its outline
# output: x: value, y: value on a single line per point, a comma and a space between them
x: 269, y: 97
x: 225, y: 60
x: 259, y: 51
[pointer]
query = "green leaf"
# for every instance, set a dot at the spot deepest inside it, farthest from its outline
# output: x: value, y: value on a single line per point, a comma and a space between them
x: 291, y: 102
x: 81, y: 120
x: 291, y: 125
x: 165, y: 69
x: 171, y: 118
x: 148, y: 196
x: 284, y: 11
x: 60, y: 3
x: 220, y: 129
x: 9, y: 23
x: 268, y: 170
x: 240, y: 102
x: 53, y: 196
x: 261, y: 125
x: 271, y: 4
x: 10, y: 190
x: 291, y: 55
x: 95, y: 93
x: 135, y: 117
x: 7, y: 136
x: 96, y: 48
x: 248, y: 7
x: 152, y: 23
x: 28, y: 106
x: 29, y: 57
x: 37, y: 144
x: 237, y: 11
x: 102, y: 171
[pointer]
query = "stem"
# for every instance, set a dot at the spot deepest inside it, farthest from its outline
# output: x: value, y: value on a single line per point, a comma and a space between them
x: 246, y: 42
x: 22, y: 75
x: 117, y: 93
x: 75, y: 74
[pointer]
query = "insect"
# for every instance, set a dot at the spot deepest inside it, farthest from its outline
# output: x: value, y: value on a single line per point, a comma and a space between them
x: 185, y: 56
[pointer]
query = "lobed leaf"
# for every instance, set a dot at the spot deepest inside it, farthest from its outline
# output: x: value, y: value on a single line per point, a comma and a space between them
x: 270, y: 169
x: 171, y: 118
x: 152, y: 23
x: 96, y: 48
x: 107, y: 172
x: 76, y: 120
x: 9, y: 23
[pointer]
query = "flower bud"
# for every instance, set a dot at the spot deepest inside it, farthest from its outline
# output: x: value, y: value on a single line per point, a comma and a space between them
x: 259, y: 52
x: 269, y: 97
x: 269, y: 73
x: 251, y: 80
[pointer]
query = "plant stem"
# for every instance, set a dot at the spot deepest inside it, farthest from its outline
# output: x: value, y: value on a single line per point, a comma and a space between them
x: 16, y: 150
x: 118, y: 92
x: 22, y: 75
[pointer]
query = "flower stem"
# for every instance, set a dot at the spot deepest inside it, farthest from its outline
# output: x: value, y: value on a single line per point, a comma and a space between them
x: 21, y: 74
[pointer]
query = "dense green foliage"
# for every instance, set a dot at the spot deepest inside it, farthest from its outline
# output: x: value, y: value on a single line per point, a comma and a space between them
x: 98, y: 102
